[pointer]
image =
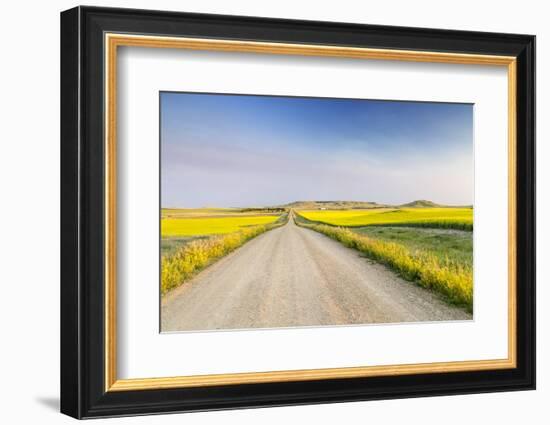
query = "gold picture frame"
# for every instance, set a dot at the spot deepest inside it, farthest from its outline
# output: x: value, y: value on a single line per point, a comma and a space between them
x: 114, y: 41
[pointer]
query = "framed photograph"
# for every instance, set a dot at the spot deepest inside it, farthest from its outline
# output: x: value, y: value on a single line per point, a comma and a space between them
x: 261, y: 212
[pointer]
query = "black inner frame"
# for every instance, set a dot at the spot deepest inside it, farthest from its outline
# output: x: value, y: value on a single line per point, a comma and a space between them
x: 82, y: 212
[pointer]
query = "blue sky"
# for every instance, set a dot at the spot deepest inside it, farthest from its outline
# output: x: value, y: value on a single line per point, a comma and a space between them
x: 241, y: 150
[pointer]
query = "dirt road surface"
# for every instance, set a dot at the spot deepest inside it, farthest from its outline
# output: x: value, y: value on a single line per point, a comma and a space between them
x: 292, y: 276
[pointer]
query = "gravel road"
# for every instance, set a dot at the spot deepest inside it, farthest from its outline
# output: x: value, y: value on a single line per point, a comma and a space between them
x: 293, y: 276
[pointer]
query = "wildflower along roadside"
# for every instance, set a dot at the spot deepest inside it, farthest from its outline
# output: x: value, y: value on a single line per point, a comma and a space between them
x: 196, y: 255
x: 451, y: 279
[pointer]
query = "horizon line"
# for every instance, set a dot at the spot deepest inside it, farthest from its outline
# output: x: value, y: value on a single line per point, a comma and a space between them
x: 321, y: 202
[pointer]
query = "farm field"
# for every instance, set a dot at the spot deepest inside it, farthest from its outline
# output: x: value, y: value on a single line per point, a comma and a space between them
x: 448, y: 217
x: 212, y: 225
x: 181, y: 226
x: 218, y: 212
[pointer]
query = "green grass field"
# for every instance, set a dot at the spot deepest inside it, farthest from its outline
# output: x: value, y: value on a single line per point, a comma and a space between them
x: 456, y: 246
x: 195, y: 212
x: 452, y: 218
x: 169, y: 246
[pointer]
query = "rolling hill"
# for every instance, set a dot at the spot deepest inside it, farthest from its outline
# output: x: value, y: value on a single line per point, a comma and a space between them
x: 341, y: 205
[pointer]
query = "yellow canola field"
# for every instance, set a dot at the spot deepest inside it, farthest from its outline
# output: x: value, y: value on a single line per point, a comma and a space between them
x: 217, y: 225
x: 459, y: 218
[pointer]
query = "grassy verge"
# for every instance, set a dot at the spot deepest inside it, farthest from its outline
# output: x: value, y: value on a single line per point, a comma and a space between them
x: 452, y: 279
x: 433, y: 224
x: 194, y: 256
x: 445, y: 244
x: 168, y: 246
